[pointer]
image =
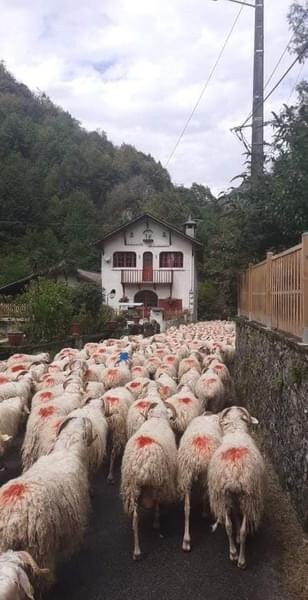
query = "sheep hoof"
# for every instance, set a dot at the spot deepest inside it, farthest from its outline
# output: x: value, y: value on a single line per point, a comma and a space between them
x: 242, y: 565
x: 186, y: 546
x: 233, y: 557
x: 137, y: 556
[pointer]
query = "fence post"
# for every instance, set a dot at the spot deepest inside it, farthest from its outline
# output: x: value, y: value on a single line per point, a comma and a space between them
x: 238, y: 283
x: 268, y: 289
x: 250, y: 292
x: 305, y: 285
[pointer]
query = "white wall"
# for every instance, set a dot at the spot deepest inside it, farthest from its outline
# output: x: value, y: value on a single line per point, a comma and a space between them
x: 183, y: 279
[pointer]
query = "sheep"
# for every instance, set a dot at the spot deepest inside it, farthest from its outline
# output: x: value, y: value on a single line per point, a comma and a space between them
x: 28, y: 358
x: 187, y: 407
x: 45, y: 510
x: 166, y: 385
x: 137, y: 411
x: 148, y: 474
x: 40, y: 432
x: 117, y: 409
x: 17, y: 569
x: 137, y: 387
x: 188, y: 363
x: 236, y: 479
x: 12, y: 415
x: 95, y: 410
x: 211, y: 391
x: 201, y: 438
x: 190, y: 379
x: 22, y: 388
x: 115, y: 376
x: 94, y: 389
x: 139, y: 371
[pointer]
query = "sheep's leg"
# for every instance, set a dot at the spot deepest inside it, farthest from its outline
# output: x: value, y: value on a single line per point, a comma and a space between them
x: 113, y: 455
x: 137, y: 551
x: 237, y: 526
x: 186, y: 539
x: 156, y: 516
x: 243, y: 535
x: 232, y: 547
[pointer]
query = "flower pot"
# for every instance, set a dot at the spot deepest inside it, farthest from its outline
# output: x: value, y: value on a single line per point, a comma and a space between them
x: 15, y: 338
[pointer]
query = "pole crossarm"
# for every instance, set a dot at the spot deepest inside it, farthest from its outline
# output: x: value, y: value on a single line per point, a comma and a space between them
x: 240, y: 2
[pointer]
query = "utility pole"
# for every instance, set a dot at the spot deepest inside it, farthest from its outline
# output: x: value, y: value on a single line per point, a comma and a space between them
x: 257, y: 139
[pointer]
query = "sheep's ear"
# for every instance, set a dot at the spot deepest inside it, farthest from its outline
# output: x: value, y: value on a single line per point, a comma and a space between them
x: 5, y: 437
x: 254, y: 420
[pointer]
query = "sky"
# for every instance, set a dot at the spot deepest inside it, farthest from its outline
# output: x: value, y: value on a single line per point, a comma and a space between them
x: 135, y: 69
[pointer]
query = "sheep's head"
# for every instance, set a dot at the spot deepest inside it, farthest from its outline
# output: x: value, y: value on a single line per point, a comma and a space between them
x: 4, y: 439
x: 236, y: 416
x: 14, y: 570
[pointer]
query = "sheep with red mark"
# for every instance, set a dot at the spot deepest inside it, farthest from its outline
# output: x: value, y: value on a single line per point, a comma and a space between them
x: 137, y: 411
x: 236, y: 480
x: 22, y: 387
x: 198, y: 444
x: 137, y: 387
x: 188, y: 363
x: 187, y: 407
x: 45, y: 510
x: 18, y: 571
x: 166, y: 385
x: 152, y: 363
x: 38, y: 436
x: 211, y: 391
x: 139, y: 371
x: 28, y: 358
x: 149, y: 467
x: 115, y: 376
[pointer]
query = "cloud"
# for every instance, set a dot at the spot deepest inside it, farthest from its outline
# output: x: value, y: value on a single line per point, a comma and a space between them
x: 135, y: 70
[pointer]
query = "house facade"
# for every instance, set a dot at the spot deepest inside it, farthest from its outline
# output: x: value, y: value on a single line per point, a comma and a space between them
x: 148, y: 260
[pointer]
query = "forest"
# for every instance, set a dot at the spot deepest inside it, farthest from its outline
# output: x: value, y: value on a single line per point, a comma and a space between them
x: 62, y: 188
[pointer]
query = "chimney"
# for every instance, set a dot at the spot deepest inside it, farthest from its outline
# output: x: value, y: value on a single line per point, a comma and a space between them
x: 190, y: 227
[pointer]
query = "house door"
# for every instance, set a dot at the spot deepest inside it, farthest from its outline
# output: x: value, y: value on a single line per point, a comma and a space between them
x: 147, y: 266
x: 148, y: 298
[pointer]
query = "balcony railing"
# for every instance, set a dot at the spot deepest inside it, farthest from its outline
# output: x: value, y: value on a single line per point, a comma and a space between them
x: 147, y: 276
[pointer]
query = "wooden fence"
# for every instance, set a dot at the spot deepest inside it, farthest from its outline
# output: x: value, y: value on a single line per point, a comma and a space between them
x: 275, y: 292
x: 13, y: 311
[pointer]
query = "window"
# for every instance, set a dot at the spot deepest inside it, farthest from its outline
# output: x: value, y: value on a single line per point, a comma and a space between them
x: 124, y: 259
x: 171, y: 260
x: 131, y: 234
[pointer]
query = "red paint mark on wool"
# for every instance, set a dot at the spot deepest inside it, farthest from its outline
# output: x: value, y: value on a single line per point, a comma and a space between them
x: 234, y: 454
x: 143, y: 404
x: 46, y: 412
x: 144, y: 440
x: 17, y: 368
x: 210, y: 381
x: 185, y: 400
x: 49, y: 381
x: 134, y: 384
x: 112, y: 372
x: 218, y: 367
x: 4, y: 379
x: 165, y: 389
x: 112, y: 399
x: 56, y: 424
x: 137, y: 369
x: 170, y: 359
x: 15, y: 490
x: 45, y: 395
x: 202, y: 443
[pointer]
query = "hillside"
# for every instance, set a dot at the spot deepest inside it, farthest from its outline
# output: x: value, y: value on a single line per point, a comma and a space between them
x: 62, y: 187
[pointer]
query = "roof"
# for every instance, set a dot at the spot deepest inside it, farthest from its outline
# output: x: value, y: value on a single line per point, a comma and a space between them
x: 64, y: 267
x: 156, y: 220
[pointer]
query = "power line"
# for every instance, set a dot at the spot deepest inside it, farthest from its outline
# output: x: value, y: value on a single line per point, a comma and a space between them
x: 272, y: 90
x: 278, y: 63
x: 204, y: 88
x: 296, y: 82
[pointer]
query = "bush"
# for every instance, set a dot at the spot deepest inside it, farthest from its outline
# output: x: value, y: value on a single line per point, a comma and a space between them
x: 87, y: 297
x: 51, y: 309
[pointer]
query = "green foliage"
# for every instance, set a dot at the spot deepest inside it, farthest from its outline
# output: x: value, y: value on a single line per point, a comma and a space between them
x: 298, y: 21
x: 88, y: 297
x: 50, y: 309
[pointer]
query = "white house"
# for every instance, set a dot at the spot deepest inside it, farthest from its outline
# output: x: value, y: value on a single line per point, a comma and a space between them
x: 148, y: 260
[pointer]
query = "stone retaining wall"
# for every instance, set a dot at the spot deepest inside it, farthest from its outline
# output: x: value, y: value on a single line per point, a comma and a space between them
x: 271, y: 376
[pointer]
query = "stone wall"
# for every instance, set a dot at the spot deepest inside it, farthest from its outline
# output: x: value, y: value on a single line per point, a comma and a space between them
x: 271, y: 375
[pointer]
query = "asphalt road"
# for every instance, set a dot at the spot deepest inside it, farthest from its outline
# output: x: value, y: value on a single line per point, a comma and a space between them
x: 104, y: 569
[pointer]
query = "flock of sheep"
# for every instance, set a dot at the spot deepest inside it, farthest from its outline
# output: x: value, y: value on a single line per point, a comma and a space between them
x: 165, y: 402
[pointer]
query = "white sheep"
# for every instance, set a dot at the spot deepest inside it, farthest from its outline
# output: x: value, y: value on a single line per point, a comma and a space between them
x: 115, y: 376
x: 117, y: 408
x: 137, y: 387
x: 45, y: 510
x: 187, y: 407
x: 22, y: 388
x: 211, y: 391
x: 17, y: 569
x: 149, y: 468
x: 188, y: 363
x: 138, y: 410
x: 190, y: 379
x: 236, y: 480
x: 13, y: 412
x: 198, y: 443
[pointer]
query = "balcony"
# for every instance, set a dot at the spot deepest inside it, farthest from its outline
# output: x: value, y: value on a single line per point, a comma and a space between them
x: 147, y: 276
